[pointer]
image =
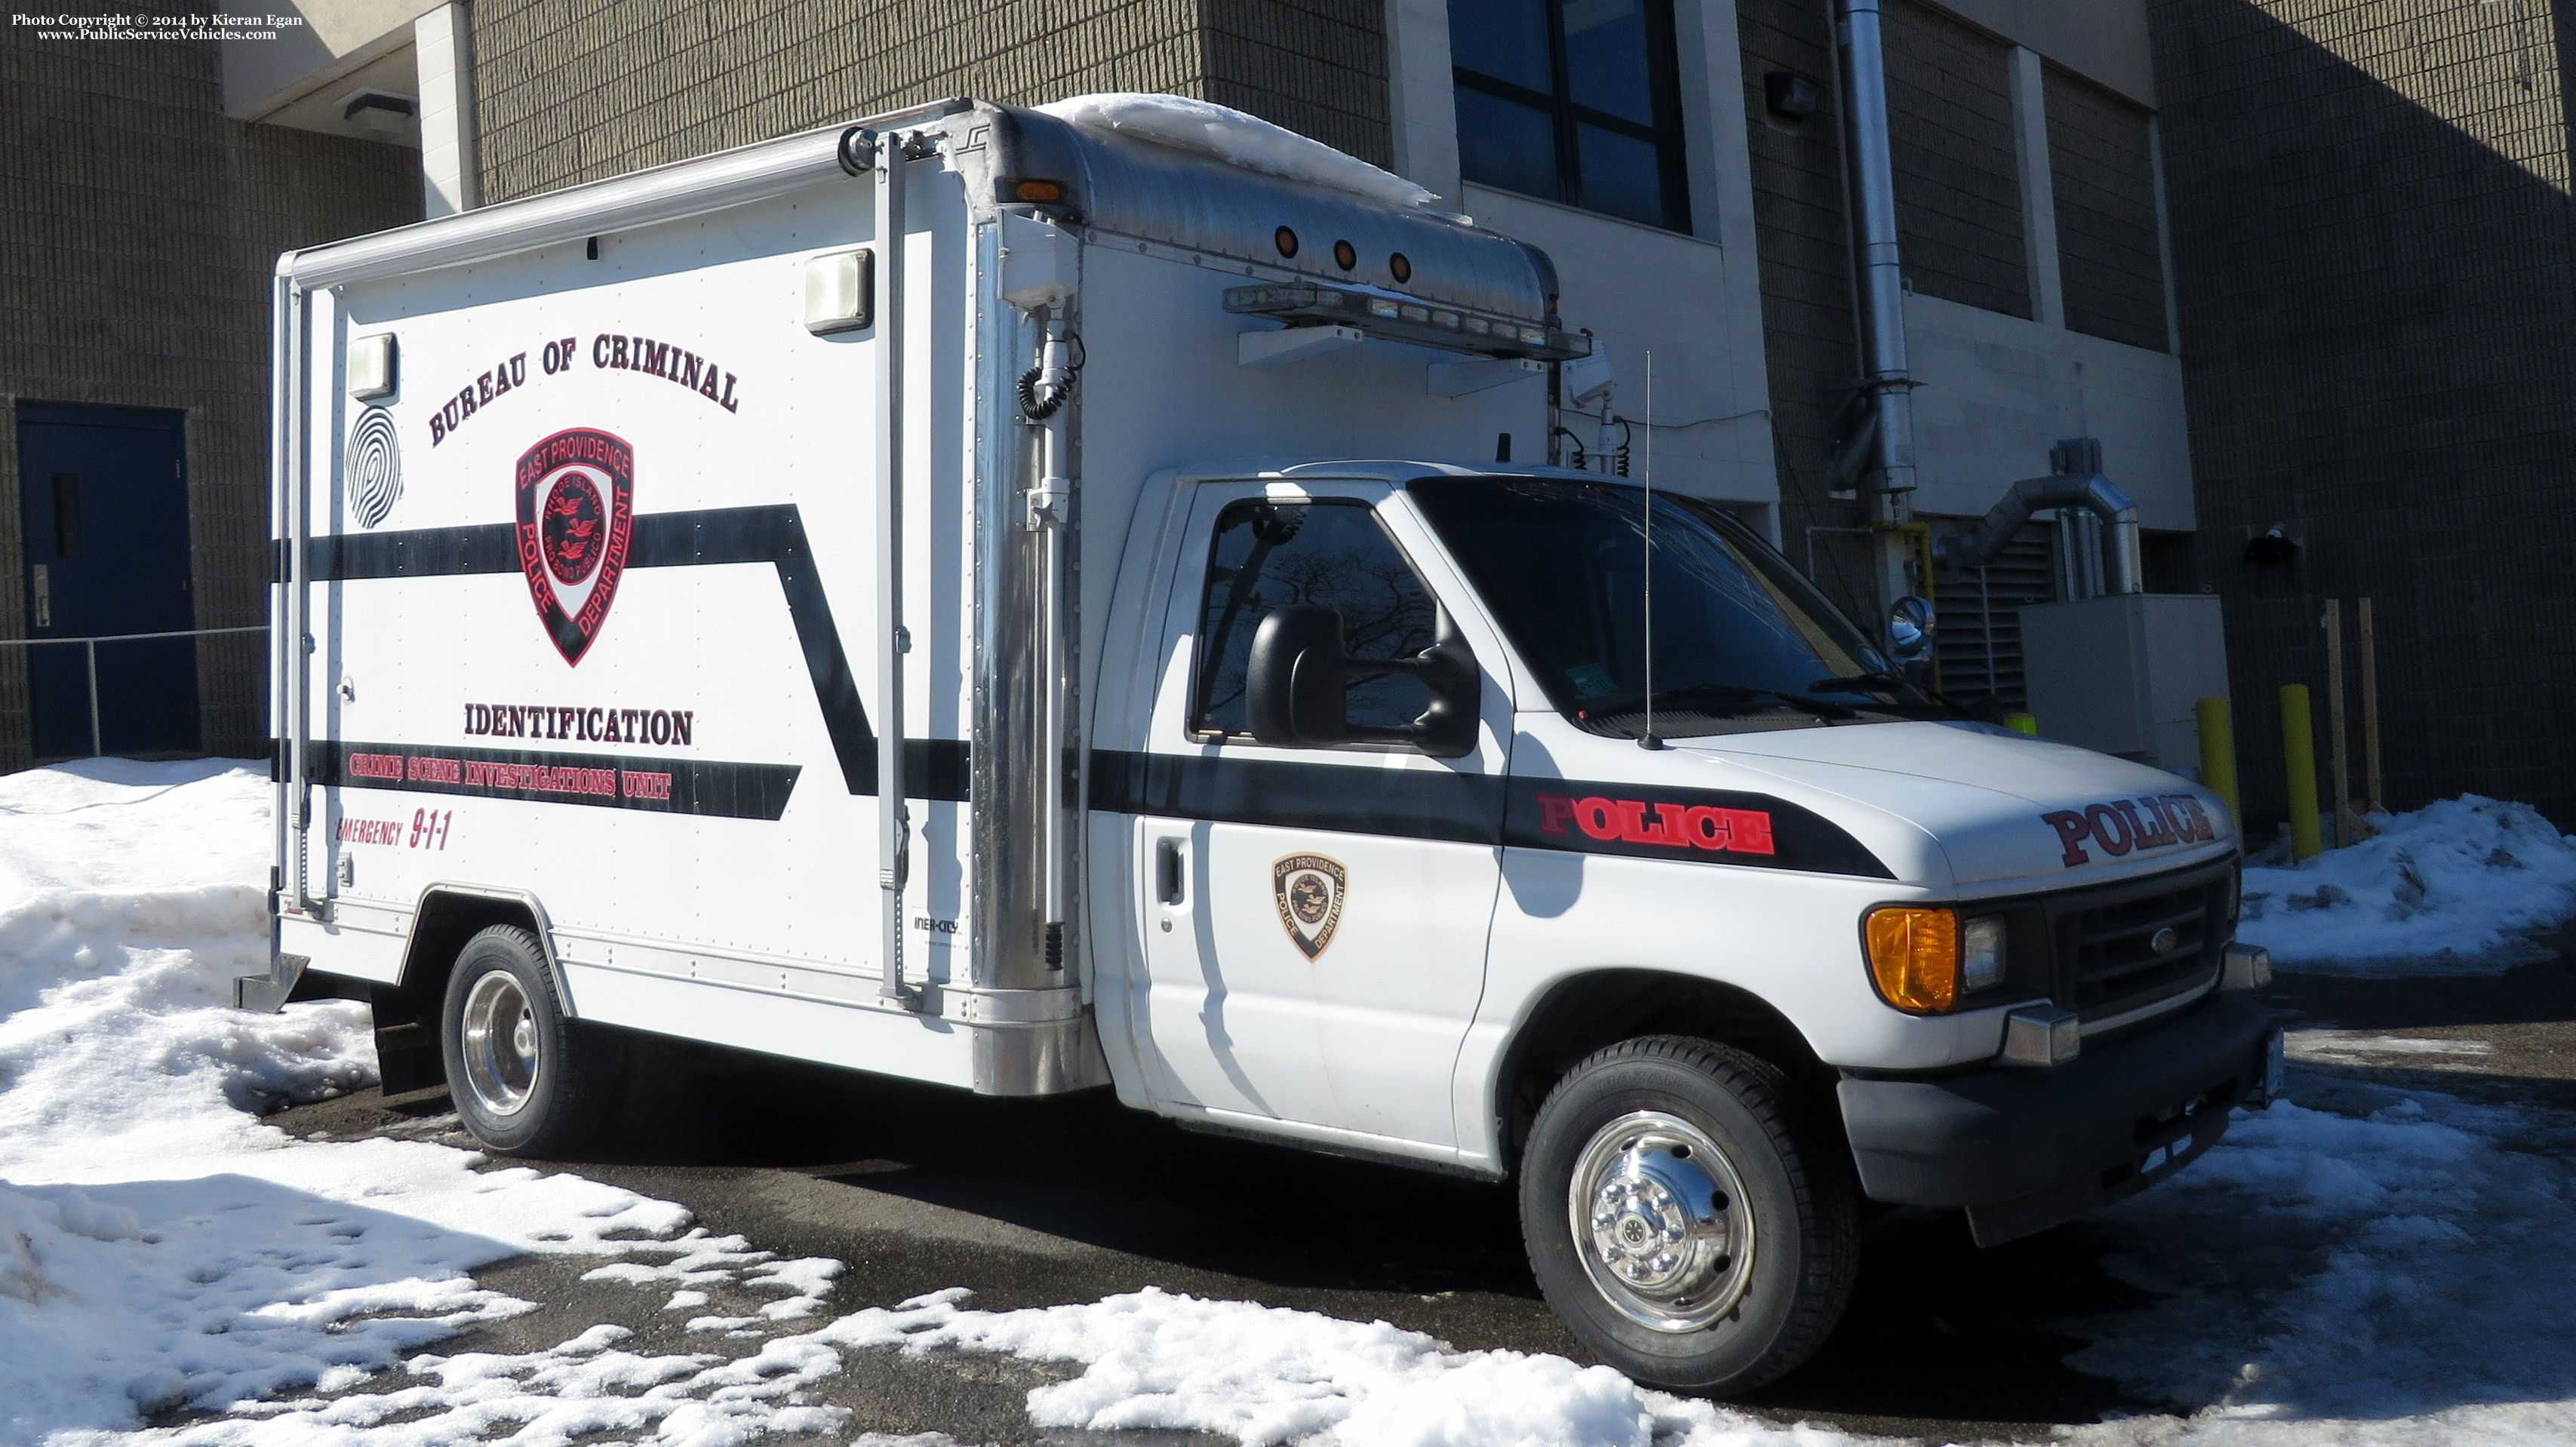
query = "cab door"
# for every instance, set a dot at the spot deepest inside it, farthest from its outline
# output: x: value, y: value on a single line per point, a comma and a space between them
x: 1315, y: 918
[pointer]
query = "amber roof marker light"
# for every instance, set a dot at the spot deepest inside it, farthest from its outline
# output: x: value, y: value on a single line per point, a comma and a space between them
x: 1285, y: 240
x: 1345, y: 255
x: 1401, y: 266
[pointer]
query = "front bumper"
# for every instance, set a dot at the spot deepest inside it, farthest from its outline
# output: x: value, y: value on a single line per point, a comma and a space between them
x: 2026, y: 1149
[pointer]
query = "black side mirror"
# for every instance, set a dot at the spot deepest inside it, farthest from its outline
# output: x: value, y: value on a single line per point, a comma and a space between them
x: 1296, y: 684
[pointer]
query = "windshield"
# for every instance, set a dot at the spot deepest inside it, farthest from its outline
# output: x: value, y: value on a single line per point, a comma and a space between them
x: 1740, y: 639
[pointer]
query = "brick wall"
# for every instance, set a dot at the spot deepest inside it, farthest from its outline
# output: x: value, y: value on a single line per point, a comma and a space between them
x: 1958, y: 189
x: 2102, y: 168
x: 143, y: 226
x: 577, y: 90
x: 1317, y: 67
x: 2375, y: 256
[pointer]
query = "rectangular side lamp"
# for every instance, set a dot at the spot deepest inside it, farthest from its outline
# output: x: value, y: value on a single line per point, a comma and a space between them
x: 372, y: 372
x: 839, y: 292
x: 1398, y: 319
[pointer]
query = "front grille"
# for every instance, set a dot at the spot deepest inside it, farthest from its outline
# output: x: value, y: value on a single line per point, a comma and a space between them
x: 2108, y: 959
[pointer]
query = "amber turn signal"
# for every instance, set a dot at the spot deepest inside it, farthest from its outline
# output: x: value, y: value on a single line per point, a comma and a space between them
x: 1914, y: 956
x: 1039, y: 190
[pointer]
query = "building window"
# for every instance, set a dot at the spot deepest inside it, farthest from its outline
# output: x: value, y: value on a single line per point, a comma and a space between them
x: 1572, y: 101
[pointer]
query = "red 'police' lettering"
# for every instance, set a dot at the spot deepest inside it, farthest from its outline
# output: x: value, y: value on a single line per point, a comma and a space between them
x: 1667, y: 826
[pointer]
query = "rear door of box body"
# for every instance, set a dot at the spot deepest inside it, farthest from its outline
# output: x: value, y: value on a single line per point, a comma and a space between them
x: 595, y: 606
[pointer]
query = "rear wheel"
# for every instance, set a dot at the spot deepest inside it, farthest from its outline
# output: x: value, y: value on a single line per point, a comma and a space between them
x: 1678, y: 1222
x: 525, y: 1079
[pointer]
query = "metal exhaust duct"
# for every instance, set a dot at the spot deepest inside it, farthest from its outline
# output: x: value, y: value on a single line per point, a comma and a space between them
x: 1882, y: 276
x: 2077, y: 483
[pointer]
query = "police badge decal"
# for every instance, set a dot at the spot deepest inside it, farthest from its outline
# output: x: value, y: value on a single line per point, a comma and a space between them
x: 1310, y: 889
x: 576, y: 519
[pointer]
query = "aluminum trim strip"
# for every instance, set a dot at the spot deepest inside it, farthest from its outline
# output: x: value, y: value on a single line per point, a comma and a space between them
x: 662, y: 193
x: 2149, y: 1011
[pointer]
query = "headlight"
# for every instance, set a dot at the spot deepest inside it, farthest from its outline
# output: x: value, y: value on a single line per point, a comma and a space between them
x: 1923, y: 959
x: 1981, y: 954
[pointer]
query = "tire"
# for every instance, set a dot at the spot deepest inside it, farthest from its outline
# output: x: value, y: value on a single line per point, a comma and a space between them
x: 1685, y: 1159
x: 526, y: 1080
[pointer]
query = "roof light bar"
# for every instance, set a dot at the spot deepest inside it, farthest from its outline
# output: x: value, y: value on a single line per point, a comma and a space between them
x: 1396, y: 319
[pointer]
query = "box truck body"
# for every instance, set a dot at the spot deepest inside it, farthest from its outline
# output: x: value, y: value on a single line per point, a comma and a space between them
x: 1032, y: 606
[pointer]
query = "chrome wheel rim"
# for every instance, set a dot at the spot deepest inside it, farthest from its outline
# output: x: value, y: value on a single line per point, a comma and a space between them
x: 501, y: 1052
x: 1660, y: 1221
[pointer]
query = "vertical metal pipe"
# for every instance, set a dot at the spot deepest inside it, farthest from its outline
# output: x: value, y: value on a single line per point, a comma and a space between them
x: 296, y: 647
x: 894, y: 824
x: 1882, y: 276
x: 90, y: 646
x: 282, y: 769
x: 2127, y: 565
x: 1054, y: 520
x: 1986, y: 635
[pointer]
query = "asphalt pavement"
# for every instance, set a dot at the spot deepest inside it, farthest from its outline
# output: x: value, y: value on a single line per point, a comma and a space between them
x: 1069, y: 1200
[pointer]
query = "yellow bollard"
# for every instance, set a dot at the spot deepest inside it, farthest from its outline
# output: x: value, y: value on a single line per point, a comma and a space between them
x: 2022, y: 723
x: 2218, y: 753
x: 2299, y: 751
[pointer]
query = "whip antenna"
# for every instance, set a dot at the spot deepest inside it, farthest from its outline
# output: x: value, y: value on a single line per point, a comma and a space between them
x: 1646, y: 469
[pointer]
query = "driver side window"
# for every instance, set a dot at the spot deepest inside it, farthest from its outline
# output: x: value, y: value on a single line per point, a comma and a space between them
x: 1336, y: 554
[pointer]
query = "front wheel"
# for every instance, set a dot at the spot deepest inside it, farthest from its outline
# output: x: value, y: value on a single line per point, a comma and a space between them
x: 526, y: 1080
x: 1678, y: 1222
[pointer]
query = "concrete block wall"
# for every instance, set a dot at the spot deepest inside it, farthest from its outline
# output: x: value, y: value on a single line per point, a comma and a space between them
x: 2102, y: 166
x: 2375, y: 257
x: 143, y: 227
x: 1958, y: 182
x: 577, y: 90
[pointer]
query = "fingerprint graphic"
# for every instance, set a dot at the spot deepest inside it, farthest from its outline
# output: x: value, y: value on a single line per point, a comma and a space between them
x: 373, y: 467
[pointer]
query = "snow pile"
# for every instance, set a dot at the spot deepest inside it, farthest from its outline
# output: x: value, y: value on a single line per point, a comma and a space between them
x: 2400, y: 1273
x: 129, y: 898
x: 159, y: 1246
x: 1235, y: 138
x: 730, y: 1261
x: 1268, y: 1375
x: 580, y: 1386
x: 2455, y: 887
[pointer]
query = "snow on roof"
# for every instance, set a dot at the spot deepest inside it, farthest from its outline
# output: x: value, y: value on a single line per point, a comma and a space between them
x: 1235, y: 138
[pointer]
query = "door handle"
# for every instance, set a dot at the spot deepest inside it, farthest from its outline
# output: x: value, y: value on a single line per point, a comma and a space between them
x: 1169, y: 871
x: 44, y: 596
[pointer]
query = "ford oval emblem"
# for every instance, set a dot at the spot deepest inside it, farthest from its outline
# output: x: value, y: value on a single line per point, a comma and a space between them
x: 2164, y: 941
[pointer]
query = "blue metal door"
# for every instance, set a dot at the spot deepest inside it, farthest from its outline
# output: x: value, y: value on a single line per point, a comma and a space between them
x: 103, y: 494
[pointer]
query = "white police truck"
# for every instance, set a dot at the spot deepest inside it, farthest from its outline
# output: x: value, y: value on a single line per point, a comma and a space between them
x: 1035, y: 601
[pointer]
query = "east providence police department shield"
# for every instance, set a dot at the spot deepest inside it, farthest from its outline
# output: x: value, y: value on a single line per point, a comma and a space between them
x: 1310, y: 889
x: 576, y: 517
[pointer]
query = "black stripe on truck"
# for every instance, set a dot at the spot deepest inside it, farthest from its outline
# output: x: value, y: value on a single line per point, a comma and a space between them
x: 1405, y: 803
x: 773, y: 534
x: 1702, y: 826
